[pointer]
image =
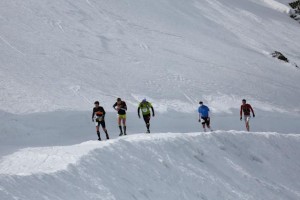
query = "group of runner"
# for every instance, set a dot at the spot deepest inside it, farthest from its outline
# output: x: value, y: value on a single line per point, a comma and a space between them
x: 146, y: 107
x: 120, y: 106
x: 245, y: 111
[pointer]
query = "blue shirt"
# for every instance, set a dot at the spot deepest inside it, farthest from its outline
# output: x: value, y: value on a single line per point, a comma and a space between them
x: 203, y: 111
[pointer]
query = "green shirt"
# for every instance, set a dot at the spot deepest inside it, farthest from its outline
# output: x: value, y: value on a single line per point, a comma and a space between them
x: 145, y: 107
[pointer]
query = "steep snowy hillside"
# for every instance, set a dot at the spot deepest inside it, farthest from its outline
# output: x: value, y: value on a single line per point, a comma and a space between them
x: 63, y: 55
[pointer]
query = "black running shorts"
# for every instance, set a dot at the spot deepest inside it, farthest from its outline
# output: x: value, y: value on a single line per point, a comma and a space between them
x: 205, y: 120
x: 146, y: 118
x: 102, y: 123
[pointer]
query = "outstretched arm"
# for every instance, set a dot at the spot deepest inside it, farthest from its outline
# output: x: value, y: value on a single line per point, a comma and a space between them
x: 138, y: 110
x: 252, y: 110
x: 241, y: 112
x: 103, y: 113
x: 153, y: 114
x: 114, y: 106
x: 93, y: 114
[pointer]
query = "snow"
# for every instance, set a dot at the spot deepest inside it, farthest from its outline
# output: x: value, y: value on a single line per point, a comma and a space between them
x: 81, y: 53
x: 218, y: 165
x: 277, y: 6
x: 58, y: 57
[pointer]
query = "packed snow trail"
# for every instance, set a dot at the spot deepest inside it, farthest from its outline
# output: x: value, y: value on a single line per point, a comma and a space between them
x: 217, y: 165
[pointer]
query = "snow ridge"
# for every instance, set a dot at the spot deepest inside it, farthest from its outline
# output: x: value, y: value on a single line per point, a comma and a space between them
x: 208, y: 165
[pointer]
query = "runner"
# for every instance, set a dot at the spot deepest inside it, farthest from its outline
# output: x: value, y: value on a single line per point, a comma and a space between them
x: 121, y: 107
x: 145, y: 107
x: 98, y: 117
x: 204, y: 118
x: 246, y: 108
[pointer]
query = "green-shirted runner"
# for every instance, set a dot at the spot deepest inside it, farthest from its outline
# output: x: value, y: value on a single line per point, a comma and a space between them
x: 145, y: 106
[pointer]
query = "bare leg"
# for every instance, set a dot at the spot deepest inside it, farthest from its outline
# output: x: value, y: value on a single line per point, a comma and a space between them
x: 124, y: 125
x: 119, y: 121
x: 203, y: 125
x: 247, y: 126
x: 120, y: 127
x: 247, y: 123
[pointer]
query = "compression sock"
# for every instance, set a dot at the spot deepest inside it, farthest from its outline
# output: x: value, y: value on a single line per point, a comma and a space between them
x: 107, y: 136
x: 121, y: 132
x: 98, y: 133
x: 124, y: 127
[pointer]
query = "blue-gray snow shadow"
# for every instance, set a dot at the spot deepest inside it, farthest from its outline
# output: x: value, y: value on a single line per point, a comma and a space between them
x: 73, y: 127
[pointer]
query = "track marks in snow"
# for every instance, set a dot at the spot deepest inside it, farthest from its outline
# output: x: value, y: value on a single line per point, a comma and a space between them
x: 11, y: 46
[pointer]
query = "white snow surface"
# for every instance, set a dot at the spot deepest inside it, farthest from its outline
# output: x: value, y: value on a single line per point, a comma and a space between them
x: 58, y: 57
x: 277, y: 5
x: 218, y: 165
x: 63, y: 55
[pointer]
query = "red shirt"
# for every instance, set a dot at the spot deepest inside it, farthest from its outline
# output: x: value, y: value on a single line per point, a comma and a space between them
x: 246, y: 108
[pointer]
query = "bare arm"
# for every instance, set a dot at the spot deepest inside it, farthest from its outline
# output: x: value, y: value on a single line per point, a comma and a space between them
x: 252, y: 110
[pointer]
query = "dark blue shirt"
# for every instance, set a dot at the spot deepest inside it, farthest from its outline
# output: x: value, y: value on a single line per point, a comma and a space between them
x: 203, y: 110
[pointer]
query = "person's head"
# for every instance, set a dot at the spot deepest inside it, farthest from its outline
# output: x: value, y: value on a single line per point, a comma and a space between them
x: 119, y: 100
x: 96, y: 103
x: 244, y: 101
x: 144, y: 100
x: 201, y: 103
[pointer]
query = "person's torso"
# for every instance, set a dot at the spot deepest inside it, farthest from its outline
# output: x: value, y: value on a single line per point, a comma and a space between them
x: 145, y: 108
x: 122, y: 107
x: 203, y: 110
x: 99, y: 111
x: 246, y: 109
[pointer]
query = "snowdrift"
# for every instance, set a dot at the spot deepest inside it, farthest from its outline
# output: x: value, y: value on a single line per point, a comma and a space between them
x: 218, y: 165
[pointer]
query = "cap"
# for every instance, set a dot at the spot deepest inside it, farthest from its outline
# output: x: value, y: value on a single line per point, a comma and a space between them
x: 200, y: 102
x: 144, y: 100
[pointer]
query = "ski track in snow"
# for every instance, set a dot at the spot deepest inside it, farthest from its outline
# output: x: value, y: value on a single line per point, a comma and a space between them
x: 11, y: 46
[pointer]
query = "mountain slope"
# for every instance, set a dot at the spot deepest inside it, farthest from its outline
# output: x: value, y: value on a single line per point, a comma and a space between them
x: 58, y: 57
x: 63, y: 54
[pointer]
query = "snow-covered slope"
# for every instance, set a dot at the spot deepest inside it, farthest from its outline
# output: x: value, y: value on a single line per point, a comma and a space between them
x: 220, y: 165
x: 58, y: 56
x: 65, y: 54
